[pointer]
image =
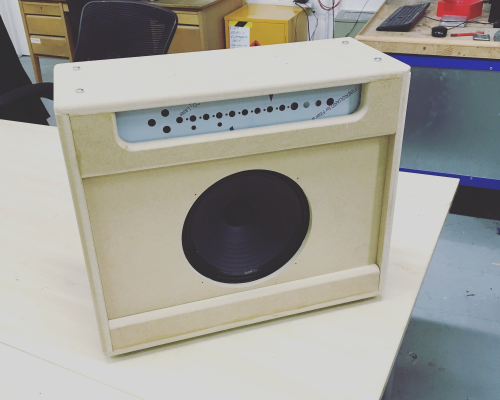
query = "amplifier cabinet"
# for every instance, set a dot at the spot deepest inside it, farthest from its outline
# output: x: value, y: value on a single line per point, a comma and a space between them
x: 218, y: 189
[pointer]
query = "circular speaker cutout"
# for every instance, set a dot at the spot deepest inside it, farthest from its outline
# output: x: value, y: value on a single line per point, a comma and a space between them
x: 246, y: 226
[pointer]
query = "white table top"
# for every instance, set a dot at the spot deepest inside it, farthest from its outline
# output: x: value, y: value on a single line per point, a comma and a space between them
x: 48, y: 332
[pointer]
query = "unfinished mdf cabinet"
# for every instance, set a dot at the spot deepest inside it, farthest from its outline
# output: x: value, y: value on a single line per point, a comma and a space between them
x: 210, y: 198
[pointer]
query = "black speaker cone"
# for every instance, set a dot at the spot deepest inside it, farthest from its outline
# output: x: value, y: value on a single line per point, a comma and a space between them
x: 246, y: 226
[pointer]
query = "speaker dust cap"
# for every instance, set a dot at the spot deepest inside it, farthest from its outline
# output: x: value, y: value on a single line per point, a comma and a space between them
x: 246, y: 226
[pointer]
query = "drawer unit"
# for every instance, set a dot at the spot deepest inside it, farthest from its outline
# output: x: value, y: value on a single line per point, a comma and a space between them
x: 50, y: 46
x: 41, y: 9
x: 45, y: 25
x: 187, y: 18
x: 48, y: 30
x: 186, y: 39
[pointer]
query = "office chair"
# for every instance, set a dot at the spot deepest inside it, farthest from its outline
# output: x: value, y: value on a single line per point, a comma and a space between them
x: 108, y: 29
x: 121, y: 29
x: 19, y: 99
x: 75, y: 8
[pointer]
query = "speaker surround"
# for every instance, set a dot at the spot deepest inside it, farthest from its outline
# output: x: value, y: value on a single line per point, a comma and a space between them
x: 246, y: 226
x: 193, y: 221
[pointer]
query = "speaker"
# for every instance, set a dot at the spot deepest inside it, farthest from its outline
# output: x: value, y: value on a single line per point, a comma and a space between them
x: 223, y: 188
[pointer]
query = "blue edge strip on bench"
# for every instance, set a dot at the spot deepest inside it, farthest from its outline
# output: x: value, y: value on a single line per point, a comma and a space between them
x: 455, y: 63
x: 473, y: 181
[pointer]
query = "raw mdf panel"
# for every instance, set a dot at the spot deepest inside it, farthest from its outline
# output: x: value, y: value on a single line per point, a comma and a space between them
x: 209, y: 199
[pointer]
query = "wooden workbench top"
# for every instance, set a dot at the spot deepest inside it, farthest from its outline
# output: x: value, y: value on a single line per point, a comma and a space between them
x: 43, y: 1
x: 187, y: 4
x: 181, y: 4
x: 48, y: 332
x: 265, y: 12
x: 419, y: 40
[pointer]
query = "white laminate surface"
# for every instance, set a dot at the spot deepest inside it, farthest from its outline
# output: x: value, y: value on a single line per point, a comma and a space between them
x: 344, y: 352
x: 137, y: 83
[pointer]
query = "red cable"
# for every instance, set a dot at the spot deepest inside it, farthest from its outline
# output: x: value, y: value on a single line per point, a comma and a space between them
x: 324, y: 7
x: 328, y: 8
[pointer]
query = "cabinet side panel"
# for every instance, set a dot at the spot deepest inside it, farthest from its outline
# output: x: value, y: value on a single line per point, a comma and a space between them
x: 85, y: 230
x: 393, y: 160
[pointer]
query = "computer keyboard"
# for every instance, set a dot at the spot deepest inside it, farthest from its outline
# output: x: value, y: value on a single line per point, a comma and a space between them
x: 404, y: 18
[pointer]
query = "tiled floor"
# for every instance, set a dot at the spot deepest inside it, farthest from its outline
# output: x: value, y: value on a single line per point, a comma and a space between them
x: 451, y: 349
x: 452, y: 346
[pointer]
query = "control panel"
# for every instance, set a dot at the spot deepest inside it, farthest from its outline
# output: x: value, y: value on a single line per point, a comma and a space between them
x: 218, y: 116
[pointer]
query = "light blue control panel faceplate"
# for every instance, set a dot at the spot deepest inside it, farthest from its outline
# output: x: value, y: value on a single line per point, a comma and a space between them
x: 219, y: 116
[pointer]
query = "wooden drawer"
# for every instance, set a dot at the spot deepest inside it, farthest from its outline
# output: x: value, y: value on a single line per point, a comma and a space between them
x: 186, y: 39
x: 41, y: 8
x: 44, y: 25
x: 187, y: 18
x: 50, y: 46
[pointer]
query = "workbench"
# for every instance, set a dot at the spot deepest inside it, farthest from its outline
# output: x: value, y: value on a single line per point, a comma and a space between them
x: 49, y: 343
x: 452, y: 121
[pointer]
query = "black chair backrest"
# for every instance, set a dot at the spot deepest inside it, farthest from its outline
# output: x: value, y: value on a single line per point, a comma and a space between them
x: 120, y: 29
x: 75, y: 8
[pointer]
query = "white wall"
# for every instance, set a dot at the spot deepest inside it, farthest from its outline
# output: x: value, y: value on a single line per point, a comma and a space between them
x: 11, y: 16
x: 325, y: 19
x: 357, y: 5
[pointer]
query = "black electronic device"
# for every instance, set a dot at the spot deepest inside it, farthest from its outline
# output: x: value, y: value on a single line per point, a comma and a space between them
x: 404, y: 18
x: 439, y: 31
x: 494, y: 11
